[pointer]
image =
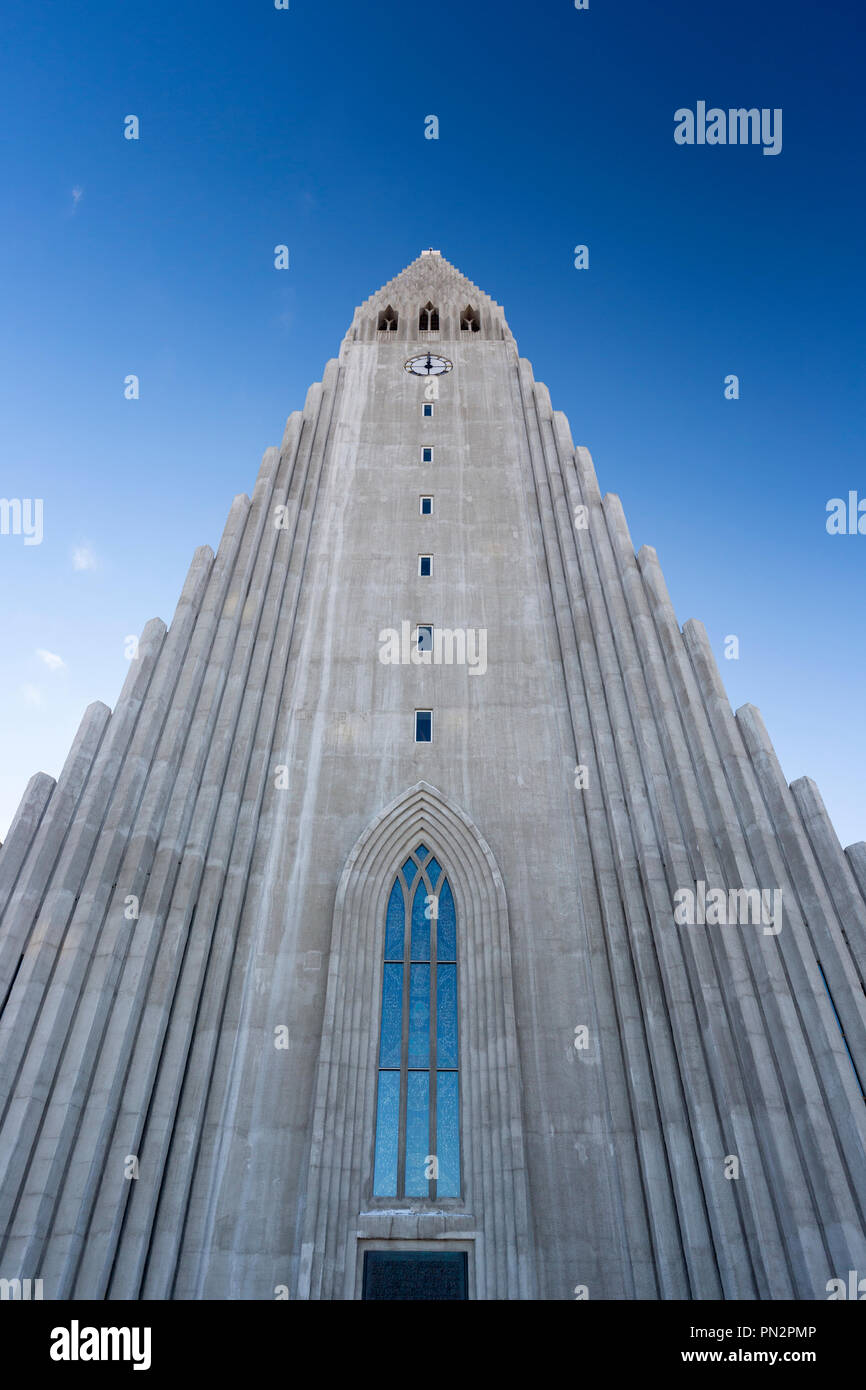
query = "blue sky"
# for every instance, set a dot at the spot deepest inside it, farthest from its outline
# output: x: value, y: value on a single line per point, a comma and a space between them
x: 306, y: 127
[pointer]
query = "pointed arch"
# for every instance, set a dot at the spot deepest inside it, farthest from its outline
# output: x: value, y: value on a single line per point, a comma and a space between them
x: 492, y: 1212
x: 421, y: 808
x: 469, y: 321
x: 388, y: 319
x: 428, y: 318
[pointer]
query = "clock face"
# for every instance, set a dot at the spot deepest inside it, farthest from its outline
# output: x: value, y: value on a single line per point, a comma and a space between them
x: 428, y: 364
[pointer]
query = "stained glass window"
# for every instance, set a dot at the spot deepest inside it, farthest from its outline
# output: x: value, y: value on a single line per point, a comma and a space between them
x: 418, y: 1104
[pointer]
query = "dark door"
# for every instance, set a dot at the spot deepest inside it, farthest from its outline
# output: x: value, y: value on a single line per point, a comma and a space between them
x: 417, y: 1275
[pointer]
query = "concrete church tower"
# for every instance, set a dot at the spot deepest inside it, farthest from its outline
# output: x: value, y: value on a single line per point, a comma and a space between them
x: 331, y: 967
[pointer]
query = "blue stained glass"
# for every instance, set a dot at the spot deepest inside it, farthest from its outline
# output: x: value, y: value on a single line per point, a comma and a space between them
x: 446, y: 926
x: 395, y: 925
x: 420, y: 923
x: 417, y: 1134
x: 410, y: 869
x: 446, y: 1016
x: 404, y: 1062
x: 419, y: 1015
x: 447, y: 1134
x: 422, y: 851
x: 387, y: 1130
x: 392, y: 1016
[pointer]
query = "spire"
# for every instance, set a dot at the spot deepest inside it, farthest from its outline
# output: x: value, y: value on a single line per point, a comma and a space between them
x: 430, y: 270
x: 431, y: 279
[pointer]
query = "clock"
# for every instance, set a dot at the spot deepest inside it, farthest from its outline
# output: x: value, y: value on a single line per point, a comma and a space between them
x: 428, y: 365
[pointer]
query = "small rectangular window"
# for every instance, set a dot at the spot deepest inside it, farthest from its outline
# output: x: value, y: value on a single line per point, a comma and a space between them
x: 424, y: 637
x: 427, y: 410
x: 427, y: 454
x: 425, y: 566
x: 423, y: 726
x: 426, y: 506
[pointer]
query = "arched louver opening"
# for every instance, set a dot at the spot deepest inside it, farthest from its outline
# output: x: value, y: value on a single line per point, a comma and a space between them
x: 417, y: 1107
x: 469, y: 321
x: 428, y: 319
x: 388, y: 320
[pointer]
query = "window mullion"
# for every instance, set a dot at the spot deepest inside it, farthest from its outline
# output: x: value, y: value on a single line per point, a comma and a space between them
x: 404, y: 1043
x: 434, y: 953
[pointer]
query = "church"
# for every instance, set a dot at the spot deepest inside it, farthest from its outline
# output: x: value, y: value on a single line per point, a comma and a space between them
x: 340, y: 963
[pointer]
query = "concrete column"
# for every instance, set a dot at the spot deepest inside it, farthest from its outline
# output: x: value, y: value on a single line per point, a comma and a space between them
x: 102, y: 915
x: 35, y: 873
x: 721, y: 986
x: 149, y: 955
x: 185, y: 1056
x: 805, y: 1248
x: 22, y: 832
x: 251, y: 922
x: 838, y: 875
x: 113, y: 809
x: 573, y: 573
x: 757, y: 984
x: 856, y: 856
x: 659, y: 841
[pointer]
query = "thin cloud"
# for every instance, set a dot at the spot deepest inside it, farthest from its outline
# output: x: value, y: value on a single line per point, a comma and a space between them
x: 51, y: 659
x: 31, y: 695
x: 83, y: 558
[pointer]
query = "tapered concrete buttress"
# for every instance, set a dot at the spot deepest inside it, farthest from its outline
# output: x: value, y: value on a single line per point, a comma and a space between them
x: 20, y: 835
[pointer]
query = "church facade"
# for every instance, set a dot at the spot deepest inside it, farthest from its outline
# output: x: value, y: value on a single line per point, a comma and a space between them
x: 422, y: 922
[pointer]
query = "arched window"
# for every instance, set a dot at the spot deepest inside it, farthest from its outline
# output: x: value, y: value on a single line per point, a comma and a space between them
x: 417, y: 1109
x: 388, y: 319
x: 428, y: 319
x: 469, y: 320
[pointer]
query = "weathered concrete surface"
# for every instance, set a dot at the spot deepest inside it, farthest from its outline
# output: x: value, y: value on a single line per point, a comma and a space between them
x: 215, y: 861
